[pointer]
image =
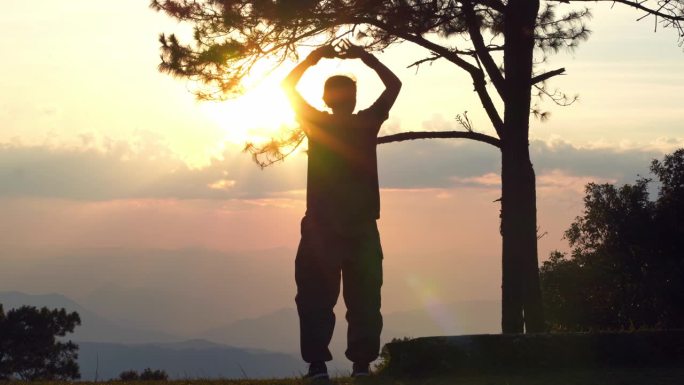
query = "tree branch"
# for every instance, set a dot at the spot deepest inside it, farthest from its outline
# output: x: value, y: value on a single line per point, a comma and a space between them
x: 634, y: 4
x: 481, y: 49
x: 481, y: 89
x: 494, y: 4
x: 435, y: 56
x: 421, y: 41
x: 413, y: 135
x: 547, y: 75
x: 430, y: 59
x: 476, y: 74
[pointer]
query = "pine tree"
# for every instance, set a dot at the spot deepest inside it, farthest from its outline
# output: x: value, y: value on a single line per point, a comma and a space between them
x: 494, y: 41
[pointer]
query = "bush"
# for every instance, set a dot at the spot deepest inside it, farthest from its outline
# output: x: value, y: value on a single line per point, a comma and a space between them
x: 129, y: 375
x: 29, y: 349
x: 153, y: 375
x: 626, y: 267
x: 147, y: 375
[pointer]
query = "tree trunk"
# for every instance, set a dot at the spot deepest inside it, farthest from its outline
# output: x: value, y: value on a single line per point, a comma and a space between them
x: 521, y: 296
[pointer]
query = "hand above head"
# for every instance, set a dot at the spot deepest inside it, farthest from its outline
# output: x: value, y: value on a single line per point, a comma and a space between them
x: 326, y: 51
x: 347, y: 50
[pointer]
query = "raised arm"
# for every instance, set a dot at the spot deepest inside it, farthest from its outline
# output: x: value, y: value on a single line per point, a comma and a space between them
x: 289, y: 84
x: 392, y: 83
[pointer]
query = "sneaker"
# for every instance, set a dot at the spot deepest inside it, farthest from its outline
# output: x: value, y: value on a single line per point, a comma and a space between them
x: 360, y: 370
x: 317, y: 371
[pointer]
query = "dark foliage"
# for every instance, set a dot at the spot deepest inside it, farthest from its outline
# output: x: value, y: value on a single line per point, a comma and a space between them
x: 129, y: 375
x: 4, y: 348
x: 153, y: 375
x: 29, y: 347
x: 230, y: 37
x: 626, y: 268
x: 147, y: 375
x: 513, y: 355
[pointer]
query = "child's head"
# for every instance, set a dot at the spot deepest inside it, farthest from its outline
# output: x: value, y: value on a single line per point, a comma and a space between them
x: 339, y: 93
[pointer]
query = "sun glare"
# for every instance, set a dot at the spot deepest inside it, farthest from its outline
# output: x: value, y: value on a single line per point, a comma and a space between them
x: 264, y: 112
x: 254, y: 117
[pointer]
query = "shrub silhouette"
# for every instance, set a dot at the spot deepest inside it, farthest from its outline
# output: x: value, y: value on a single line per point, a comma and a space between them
x: 147, y: 375
x: 626, y: 268
x: 29, y: 349
x: 129, y: 375
x: 153, y: 375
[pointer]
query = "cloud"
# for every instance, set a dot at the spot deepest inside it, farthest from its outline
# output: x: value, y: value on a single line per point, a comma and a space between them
x: 605, y: 162
x: 120, y: 171
x: 487, y: 180
x: 431, y: 163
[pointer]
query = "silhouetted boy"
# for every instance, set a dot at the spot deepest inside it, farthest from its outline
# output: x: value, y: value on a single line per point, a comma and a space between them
x: 339, y: 230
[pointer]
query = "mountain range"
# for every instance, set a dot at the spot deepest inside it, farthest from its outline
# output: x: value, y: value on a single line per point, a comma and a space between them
x: 185, y: 360
x: 258, y: 347
x: 93, y: 326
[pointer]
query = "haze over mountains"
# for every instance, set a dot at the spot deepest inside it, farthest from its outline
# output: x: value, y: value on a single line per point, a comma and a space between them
x: 178, y: 291
x: 234, y: 306
x: 189, y: 291
x: 278, y: 330
x: 264, y: 346
x: 93, y: 326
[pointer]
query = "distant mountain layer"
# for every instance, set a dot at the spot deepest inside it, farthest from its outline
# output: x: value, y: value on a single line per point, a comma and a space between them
x: 232, y: 347
x: 123, y: 348
x: 280, y: 330
x: 93, y: 327
x: 188, y: 359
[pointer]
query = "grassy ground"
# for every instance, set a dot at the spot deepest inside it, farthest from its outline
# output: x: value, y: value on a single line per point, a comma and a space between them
x: 661, y: 376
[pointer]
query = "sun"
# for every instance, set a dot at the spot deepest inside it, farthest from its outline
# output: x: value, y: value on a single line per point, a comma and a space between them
x: 255, y: 116
x: 264, y: 112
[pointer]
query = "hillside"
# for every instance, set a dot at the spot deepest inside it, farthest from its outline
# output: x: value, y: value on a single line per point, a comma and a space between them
x: 93, y: 326
x: 188, y: 359
x: 278, y: 330
x: 246, y: 343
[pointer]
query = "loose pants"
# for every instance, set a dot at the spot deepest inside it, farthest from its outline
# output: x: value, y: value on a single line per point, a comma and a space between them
x: 325, y: 255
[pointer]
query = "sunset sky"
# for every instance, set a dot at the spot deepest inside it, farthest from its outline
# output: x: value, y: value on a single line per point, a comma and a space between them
x: 114, y: 179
